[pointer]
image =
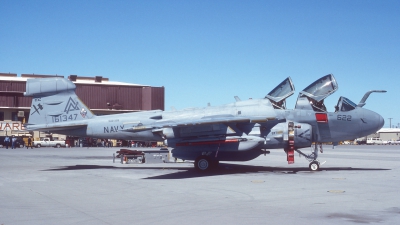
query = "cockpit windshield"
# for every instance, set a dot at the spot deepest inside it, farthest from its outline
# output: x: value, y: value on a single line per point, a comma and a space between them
x: 345, y: 105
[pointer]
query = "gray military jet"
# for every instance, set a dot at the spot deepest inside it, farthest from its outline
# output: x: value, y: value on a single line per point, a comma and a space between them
x: 239, y: 131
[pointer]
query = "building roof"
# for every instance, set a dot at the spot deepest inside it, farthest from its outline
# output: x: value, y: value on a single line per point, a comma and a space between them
x: 79, y: 79
x: 389, y: 130
x: 106, y: 82
x: 11, y: 77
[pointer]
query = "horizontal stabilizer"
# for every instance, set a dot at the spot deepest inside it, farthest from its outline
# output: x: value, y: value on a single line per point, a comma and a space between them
x: 54, y: 127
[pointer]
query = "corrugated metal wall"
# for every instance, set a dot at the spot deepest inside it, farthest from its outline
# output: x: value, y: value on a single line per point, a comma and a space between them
x: 95, y: 96
x: 153, y: 98
x: 128, y: 97
x: 24, y: 101
x: 10, y: 100
x: 146, y: 98
x: 15, y: 99
x: 7, y: 101
x: 157, y: 98
x: 91, y: 95
x: 12, y: 86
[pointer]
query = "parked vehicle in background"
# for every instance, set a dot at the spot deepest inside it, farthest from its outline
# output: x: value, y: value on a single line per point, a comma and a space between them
x: 347, y: 142
x: 19, y: 143
x: 361, y: 141
x: 46, y: 142
x: 376, y: 141
x: 393, y: 142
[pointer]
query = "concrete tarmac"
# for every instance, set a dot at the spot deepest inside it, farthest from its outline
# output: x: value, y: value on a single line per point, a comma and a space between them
x: 357, y: 185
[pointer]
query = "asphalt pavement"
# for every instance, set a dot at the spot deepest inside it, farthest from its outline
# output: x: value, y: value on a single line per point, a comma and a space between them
x: 356, y: 185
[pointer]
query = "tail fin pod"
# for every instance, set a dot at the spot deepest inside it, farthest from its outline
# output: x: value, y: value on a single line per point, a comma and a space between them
x: 54, y: 100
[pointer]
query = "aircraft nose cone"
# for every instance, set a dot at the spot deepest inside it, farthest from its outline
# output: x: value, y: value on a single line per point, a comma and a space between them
x: 381, y: 122
x: 372, y: 122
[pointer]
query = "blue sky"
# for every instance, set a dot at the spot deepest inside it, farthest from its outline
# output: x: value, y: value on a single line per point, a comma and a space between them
x: 209, y: 51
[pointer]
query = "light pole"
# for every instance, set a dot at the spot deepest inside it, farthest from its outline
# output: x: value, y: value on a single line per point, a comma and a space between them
x: 390, y: 119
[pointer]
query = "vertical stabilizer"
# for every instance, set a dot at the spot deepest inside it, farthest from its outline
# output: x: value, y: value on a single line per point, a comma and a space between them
x: 54, y: 101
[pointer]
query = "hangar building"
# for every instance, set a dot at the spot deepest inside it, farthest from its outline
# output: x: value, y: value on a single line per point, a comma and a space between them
x: 100, y: 94
x: 387, y: 134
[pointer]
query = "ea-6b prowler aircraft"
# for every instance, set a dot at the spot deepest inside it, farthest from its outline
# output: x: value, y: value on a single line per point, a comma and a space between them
x: 239, y: 131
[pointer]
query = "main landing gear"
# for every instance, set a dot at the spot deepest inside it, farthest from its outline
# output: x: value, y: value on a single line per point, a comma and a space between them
x: 312, y: 158
x: 205, y: 163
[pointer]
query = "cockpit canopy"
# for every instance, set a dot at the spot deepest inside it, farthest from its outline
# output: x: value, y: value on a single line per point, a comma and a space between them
x: 281, y: 92
x: 312, y: 97
x: 321, y: 88
x: 344, y: 105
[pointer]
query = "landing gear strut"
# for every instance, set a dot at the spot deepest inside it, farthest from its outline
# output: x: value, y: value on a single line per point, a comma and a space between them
x: 312, y: 158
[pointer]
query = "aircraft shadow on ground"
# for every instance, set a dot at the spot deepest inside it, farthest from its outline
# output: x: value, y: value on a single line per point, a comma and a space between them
x: 223, y: 169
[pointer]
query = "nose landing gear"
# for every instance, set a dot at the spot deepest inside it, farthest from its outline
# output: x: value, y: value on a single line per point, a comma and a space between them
x: 312, y: 158
x: 314, y: 166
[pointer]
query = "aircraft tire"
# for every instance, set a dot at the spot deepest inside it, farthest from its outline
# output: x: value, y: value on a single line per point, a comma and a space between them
x: 314, y: 166
x: 202, y: 163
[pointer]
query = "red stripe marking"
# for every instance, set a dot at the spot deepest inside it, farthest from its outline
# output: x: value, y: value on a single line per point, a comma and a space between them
x: 321, y: 117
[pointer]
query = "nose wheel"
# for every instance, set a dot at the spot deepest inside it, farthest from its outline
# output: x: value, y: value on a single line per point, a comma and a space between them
x: 314, y: 166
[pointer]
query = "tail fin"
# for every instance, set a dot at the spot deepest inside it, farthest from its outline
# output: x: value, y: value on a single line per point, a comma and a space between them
x: 54, y: 101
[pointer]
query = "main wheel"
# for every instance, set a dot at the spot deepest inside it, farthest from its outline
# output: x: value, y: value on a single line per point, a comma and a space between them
x: 314, y: 166
x: 202, y: 163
